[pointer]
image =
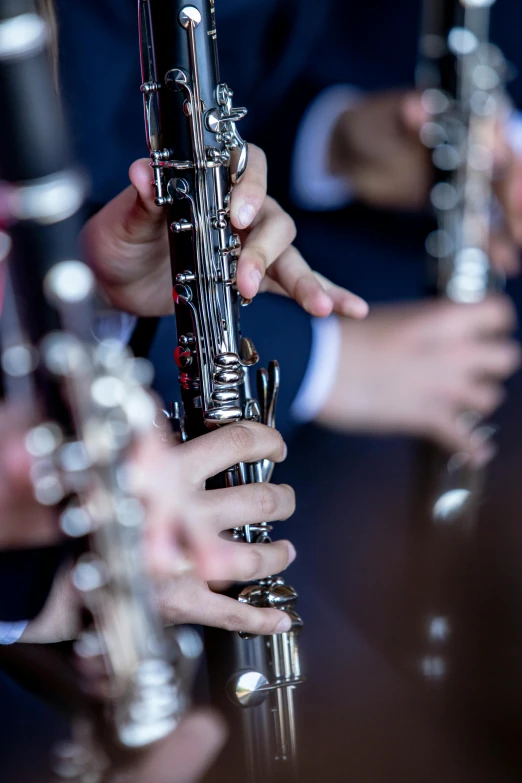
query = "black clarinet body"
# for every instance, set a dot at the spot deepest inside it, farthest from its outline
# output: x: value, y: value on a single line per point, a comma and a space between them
x: 196, y: 155
x: 34, y: 157
x: 191, y: 191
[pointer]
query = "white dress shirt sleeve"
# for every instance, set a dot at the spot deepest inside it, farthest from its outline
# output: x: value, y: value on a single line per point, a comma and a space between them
x: 313, y: 187
x: 11, y: 632
x: 514, y: 131
x: 321, y: 371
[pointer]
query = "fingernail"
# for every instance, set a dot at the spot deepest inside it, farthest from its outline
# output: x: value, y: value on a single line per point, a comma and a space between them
x: 292, y: 554
x: 285, y: 451
x: 284, y: 624
x: 245, y: 215
x: 256, y: 277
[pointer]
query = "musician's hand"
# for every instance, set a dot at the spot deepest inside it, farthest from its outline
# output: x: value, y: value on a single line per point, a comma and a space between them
x: 127, y: 245
x: 506, y: 230
x: 171, y: 484
x: 416, y: 369
x: 268, y: 261
x: 377, y: 146
x: 211, y: 553
x: 184, y: 756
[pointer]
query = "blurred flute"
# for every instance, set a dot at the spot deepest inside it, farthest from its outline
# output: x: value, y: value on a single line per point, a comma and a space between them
x: 191, y: 131
x: 461, y: 74
x: 89, y: 405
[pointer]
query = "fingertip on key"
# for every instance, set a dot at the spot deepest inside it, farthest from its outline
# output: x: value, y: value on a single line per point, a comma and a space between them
x: 292, y: 554
x: 284, y: 624
x: 245, y: 215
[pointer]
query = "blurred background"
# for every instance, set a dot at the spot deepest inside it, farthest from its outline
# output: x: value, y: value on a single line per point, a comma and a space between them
x: 328, y: 85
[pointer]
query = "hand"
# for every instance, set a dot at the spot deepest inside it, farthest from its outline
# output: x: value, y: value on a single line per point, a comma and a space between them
x: 180, y: 480
x: 183, y: 757
x: 414, y: 369
x: 127, y: 245
x: 377, y: 146
x: 184, y: 548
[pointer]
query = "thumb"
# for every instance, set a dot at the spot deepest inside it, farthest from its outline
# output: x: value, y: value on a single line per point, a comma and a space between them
x: 144, y: 216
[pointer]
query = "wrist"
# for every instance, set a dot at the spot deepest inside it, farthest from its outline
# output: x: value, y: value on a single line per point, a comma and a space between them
x: 342, y: 147
x: 314, y: 186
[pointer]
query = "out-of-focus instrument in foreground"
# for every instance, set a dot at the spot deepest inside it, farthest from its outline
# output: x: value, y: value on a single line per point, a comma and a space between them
x: 89, y: 405
x: 196, y: 155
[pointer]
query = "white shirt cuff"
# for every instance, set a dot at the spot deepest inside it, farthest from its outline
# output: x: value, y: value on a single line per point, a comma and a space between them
x: 11, y: 632
x: 313, y: 186
x: 514, y: 131
x: 321, y: 371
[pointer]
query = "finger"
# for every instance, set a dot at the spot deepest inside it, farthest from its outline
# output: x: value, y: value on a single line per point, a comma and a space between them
x: 185, y: 755
x: 271, y: 235
x: 491, y: 317
x: 247, y: 505
x: 344, y: 302
x: 495, y: 316
x: 246, y: 562
x: 145, y: 216
x: 220, y: 611
x: 249, y: 194
x: 132, y: 215
x: 452, y: 433
x: 504, y: 253
x: 494, y: 360
x: 483, y: 398
x: 315, y: 293
x: 171, y: 550
x: 216, y: 451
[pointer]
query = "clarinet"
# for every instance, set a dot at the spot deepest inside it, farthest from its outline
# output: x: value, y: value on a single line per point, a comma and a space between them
x: 461, y: 74
x: 197, y: 155
x: 90, y: 403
